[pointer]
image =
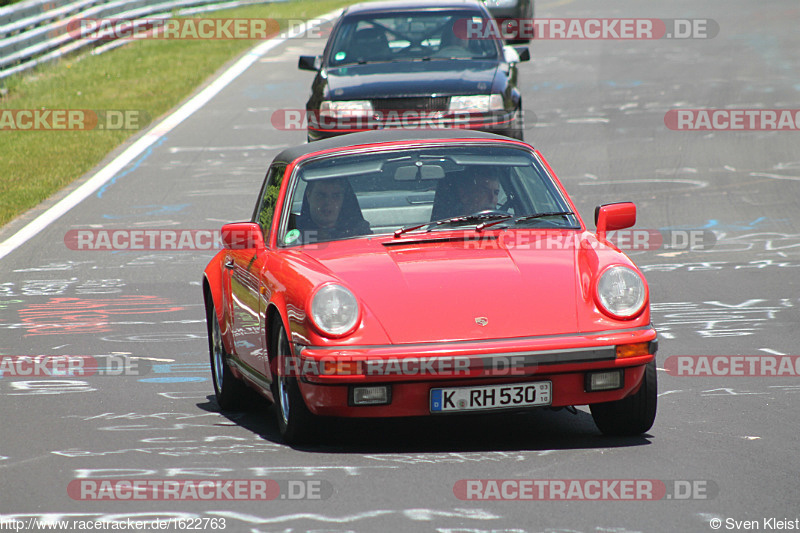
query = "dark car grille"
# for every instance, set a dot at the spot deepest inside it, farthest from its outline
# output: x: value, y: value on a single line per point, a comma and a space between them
x: 427, y: 103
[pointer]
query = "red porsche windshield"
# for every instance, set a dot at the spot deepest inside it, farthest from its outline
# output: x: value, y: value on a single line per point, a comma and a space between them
x: 421, y: 189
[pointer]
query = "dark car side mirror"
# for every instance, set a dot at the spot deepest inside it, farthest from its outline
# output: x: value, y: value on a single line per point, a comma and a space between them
x: 309, y: 63
x: 523, y: 52
x: 612, y: 217
x: 242, y: 236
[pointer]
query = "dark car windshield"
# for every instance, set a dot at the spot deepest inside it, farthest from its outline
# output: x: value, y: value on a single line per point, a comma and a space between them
x: 408, y: 36
x: 434, y: 188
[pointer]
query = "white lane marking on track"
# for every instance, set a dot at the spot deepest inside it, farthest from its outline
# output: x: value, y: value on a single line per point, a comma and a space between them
x: 418, y: 515
x: 588, y: 120
x: 695, y: 183
x: 176, y: 149
x: 774, y: 176
x: 143, y: 143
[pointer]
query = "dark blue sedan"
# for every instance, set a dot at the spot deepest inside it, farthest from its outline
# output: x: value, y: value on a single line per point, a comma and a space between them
x: 414, y: 65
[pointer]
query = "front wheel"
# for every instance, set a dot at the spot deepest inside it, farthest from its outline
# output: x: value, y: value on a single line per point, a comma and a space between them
x: 296, y: 423
x: 228, y: 390
x: 515, y: 133
x: 517, y: 127
x: 632, y: 415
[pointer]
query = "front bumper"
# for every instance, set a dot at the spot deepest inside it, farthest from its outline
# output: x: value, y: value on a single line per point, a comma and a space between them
x: 503, y: 123
x: 327, y: 375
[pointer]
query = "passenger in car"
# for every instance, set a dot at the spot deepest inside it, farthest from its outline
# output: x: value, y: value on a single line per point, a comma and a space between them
x: 451, y: 45
x: 370, y: 44
x: 330, y: 211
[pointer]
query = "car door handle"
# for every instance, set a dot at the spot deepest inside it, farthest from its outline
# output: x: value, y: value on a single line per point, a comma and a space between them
x: 229, y: 264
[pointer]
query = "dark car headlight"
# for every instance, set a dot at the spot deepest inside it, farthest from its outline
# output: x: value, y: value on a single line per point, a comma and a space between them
x: 476, y: 103
x: 621, y: 292
x: 502, y: 3
x: 345, y: 108
x: 334, y: 310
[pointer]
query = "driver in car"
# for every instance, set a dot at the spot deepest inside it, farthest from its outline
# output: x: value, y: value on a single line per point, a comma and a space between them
x: 478, y: 194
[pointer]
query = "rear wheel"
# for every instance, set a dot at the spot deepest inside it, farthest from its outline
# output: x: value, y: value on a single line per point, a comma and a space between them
x: 632, y: 415
x: 228, y: 390
x: 296, y: 423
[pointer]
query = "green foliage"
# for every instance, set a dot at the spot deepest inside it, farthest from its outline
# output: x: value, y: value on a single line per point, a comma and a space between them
x: 150, y: 76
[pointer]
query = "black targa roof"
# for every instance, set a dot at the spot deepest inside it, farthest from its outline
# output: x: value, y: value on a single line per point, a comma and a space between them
x: 383, y: 136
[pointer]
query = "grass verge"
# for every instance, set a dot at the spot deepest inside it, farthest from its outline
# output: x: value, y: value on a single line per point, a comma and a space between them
x: 152, y: 76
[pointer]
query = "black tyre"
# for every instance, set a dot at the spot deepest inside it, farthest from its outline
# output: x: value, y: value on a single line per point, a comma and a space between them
x: 632, y: 415
x: 517, y: 134
x: 296, y: 423
x: 517, y: 131
x: 230, y: 392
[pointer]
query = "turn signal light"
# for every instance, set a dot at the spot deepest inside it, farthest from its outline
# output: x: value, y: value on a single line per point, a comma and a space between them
x: 632, y: 350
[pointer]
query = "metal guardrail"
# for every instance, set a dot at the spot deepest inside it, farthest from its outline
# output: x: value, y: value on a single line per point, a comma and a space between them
x: 36, y: 31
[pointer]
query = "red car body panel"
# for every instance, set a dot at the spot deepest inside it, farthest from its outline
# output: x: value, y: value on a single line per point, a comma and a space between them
x: 420, y: 298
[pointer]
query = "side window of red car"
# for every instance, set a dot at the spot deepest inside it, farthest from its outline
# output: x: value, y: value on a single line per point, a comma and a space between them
x: 269, y: 198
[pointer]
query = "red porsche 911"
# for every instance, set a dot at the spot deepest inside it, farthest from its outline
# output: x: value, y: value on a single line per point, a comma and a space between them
x: 398, y: 273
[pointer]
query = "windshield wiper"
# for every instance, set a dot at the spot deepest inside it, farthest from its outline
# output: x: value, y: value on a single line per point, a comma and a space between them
x: 453, y: 220
x: 472, y: 218
x: 527, y: 217
x: 542, y: 215
x: 405, y: 229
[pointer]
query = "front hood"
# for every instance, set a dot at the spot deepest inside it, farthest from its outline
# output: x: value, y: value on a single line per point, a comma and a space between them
x: 442, y: 291
x: 411, y: 78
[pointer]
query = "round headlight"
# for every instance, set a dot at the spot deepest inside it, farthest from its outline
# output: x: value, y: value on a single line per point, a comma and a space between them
x: 334, y: 310
x: 621, y: 292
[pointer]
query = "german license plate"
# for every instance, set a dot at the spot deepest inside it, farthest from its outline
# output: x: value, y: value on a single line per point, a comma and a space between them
x: 491, y: 397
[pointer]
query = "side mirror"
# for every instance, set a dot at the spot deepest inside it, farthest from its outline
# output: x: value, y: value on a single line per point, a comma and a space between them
x: 242, y: 236
x: 612, y: 217
x: 309, y: 63
x: 523, y: 52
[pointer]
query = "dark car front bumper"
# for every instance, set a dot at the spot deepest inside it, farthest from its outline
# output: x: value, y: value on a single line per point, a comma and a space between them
x: 504, y: 123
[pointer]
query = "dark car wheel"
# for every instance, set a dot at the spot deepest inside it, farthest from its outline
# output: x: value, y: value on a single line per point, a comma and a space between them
x: 296, y: 423
x: 228, y: 390
x: 516, y: 131
x: 632, y: 415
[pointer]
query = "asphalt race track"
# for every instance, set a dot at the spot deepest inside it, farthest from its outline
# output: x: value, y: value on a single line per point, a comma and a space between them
x: 723, y: 446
